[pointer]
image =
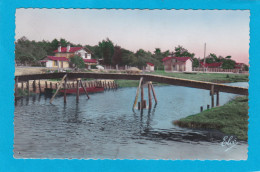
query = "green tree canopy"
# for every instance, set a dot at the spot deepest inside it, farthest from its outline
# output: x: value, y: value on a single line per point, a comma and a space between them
x: 77, y: 62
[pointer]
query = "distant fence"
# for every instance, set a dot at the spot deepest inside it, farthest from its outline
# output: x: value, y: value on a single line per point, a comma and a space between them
x: 112, y: 67
x: 219, y: 70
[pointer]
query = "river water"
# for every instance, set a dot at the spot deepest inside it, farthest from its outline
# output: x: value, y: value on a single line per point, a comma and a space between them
x: 104, y: 127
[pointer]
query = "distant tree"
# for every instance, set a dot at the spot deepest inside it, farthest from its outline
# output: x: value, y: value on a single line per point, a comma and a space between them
x: 195, y: 62
x: 228, y: 57
x: 246, y: 68
x: 77, y: 62
x: 228, y: 64
x: 117, y: 56
x: 182, y: 52
x: 157, y: 51
x: 106, y: 47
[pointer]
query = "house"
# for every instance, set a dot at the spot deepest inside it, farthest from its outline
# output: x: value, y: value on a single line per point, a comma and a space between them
x: 62, y: 55
x: 54, y: 61
x: 180, y: 64
x: 149, y: 66
x: 240, y: 66
x: 211, y: 65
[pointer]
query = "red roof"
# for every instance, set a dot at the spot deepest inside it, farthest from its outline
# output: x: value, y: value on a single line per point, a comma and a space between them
x: 150, y: 64
x: 90, y: 60
x: 72, y: 49
x: 183, y: 59
x: 211, y: 64
x: 57, y: 58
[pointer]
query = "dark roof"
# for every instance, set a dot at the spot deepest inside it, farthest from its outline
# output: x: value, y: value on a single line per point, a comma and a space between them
x: 183, y: 59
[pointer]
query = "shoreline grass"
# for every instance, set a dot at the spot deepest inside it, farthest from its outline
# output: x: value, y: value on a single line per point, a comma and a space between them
x: 209, y: 77
x: 231, y: 118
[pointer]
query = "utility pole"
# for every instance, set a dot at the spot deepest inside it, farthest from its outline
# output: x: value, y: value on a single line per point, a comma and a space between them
x: 204, y: 57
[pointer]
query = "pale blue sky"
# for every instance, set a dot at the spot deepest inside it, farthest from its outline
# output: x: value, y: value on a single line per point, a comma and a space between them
x: 226, y: 32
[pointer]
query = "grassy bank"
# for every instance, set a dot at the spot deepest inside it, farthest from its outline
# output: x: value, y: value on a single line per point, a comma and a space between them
x: 133, y: 83
x: 231, y: 118
x: 209, y: 77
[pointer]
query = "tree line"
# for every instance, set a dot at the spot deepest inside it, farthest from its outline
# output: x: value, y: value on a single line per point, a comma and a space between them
x: 29, y: 52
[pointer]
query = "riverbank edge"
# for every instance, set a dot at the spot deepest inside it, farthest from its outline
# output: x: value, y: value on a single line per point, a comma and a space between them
x: 231, y: 119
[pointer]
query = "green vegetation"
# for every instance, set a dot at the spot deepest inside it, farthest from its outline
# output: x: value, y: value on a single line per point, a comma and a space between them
x: 77, y: 62
x: 209, y: 77
x: 127, y: 83
x: 231, y: 118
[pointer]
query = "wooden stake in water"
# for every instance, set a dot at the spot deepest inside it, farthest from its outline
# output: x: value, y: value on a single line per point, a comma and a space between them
x: 137, y: 93
x: 65, y: 90
x: 60, y: 84
x: 85, y: 89
x: 154, y: 95
x: 149, y: 96
x: 77, y: 96
x: 212, y: 95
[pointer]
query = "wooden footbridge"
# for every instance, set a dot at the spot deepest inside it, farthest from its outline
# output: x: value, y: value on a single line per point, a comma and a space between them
x: 214, y: 88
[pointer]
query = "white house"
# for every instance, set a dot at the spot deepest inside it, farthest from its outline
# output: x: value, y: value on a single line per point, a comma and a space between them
x: 182, y: 64
x: 62, y: 55
x: 58, y: 62
x: 149, y: 66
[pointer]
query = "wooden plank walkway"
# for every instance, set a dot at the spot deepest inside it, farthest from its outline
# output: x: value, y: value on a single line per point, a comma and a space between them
x: 146, y: 77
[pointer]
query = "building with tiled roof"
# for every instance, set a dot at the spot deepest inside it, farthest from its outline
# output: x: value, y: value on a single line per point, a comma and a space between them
x: 63, y: 54
x: 181, y: 64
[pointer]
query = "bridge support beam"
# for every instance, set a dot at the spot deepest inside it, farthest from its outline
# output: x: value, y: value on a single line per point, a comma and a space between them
x: 149, y: 95
x: 77, y: 96
x: 65, y: 90
x: 212, y: 96
x: 217, y: 98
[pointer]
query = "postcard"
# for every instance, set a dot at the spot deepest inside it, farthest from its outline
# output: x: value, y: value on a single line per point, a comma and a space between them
x: 131, y: 84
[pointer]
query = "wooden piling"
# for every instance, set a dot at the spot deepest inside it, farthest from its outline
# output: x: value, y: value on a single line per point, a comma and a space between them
x: 46, y: 84
x: 139, y: 105
x: 65, y: 90
x: 22, y: 86
x: 212, y: 95
x: 144, y: 104
x: 58, y: 88
x: 217, y: 98
x: 16, y: 88
x: 50, y: 84
x: 149, y: 96
x: 39, y: 85
x: 137, y: 93
x: 34, y: 85
x: 154, y: 95
x: 73, y: 84
x: 142, y: 95
x: 77, y: 96
x: 28, y: 87
x: 56, y: 85
x: 85, y: 89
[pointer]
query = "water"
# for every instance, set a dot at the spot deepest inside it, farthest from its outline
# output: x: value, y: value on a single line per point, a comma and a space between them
x: 104, y: 127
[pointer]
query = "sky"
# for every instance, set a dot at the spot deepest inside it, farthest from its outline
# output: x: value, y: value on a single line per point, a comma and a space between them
x: 225, y: 32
